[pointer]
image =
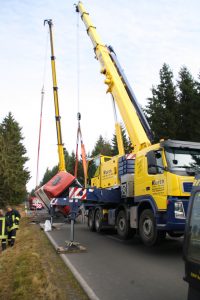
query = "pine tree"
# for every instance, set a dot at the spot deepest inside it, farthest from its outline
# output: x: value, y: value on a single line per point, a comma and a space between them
x: 3, y: 186
x: 49, y: 173
x: 126, y: 142
x: 67, y: 158
x: 71, y: 163
x: 162, y: 108
x: 102, y: 147
x: 189, y: 107
x: 15, y: 174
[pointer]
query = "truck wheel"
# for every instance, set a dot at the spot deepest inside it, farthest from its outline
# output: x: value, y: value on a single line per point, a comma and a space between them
x: 123, y: 228
x: 149, y: 235
x: 91, y: 220
x: 98, y: 220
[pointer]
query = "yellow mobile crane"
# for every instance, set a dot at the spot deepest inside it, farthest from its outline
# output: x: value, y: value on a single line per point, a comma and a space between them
x: 55, y: 191
x: 148, y: 193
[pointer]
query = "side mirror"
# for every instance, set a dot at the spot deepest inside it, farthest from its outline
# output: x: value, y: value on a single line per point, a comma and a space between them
x: 152, y: 164
x: 151, y: 158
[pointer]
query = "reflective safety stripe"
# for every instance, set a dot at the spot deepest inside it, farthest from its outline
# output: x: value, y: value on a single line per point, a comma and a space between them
x: 14, y: 226
x: 13, y: 237
x: 3, y: 234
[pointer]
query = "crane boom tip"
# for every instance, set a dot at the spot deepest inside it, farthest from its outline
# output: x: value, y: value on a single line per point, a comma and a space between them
x: 49, y: 21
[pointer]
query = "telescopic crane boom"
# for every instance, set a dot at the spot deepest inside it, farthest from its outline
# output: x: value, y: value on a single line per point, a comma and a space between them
x: 56, y: 104
x: 136, y: 124
x: 55, y: 192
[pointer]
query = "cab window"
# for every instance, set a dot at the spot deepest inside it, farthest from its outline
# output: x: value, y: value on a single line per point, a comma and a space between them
x: 93, y: 167
x: 194, y: 230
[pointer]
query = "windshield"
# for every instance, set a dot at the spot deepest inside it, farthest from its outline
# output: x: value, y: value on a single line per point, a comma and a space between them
x: 186, y: 161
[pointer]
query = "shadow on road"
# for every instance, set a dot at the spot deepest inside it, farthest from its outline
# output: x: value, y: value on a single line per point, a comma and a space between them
x: 168, y: 247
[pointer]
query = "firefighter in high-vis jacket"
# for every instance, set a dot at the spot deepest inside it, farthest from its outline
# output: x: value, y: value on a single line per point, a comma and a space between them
x: 3, y: 230
x: 12, y: 219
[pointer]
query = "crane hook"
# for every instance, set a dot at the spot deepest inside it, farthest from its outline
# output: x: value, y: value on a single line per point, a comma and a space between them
x: 49, y: 21
x: 78, y: 116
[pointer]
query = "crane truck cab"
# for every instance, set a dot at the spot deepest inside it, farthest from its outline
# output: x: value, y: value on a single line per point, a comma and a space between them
x: 192, y: 243
x: 147, y: 192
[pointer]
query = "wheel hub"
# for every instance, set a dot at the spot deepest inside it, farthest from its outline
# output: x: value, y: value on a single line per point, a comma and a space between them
x: 147, y: 227
x: 122, y: 224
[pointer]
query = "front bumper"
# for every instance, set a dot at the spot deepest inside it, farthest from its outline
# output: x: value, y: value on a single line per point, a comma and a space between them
x: 168, y: 220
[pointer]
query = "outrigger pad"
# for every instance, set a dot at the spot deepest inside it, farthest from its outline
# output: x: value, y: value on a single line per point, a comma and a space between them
x: 72, y: 247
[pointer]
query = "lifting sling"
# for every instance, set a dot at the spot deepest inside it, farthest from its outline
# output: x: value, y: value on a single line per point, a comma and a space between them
x: 79, y: 133
x: 83, y: 153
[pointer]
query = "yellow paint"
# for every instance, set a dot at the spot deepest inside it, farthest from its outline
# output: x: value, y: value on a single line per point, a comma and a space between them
x: 56, y: 103
x: 106, y: 174
x: 115, y: 85
x: 119, y: 139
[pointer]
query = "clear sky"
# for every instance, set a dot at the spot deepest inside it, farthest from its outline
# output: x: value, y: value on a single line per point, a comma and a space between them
x: 144, y: 35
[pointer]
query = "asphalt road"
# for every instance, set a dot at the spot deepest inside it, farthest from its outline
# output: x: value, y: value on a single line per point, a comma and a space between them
x: 116, y: 269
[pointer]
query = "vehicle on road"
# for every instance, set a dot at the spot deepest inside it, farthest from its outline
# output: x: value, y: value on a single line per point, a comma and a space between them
x: 192, y: 243
x: 146, y: 191
x: 35, y: 203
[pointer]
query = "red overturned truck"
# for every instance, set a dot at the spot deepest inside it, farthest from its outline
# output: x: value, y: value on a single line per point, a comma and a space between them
x: 55, y: 193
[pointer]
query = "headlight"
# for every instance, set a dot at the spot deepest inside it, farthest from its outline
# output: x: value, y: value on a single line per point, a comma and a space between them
x: 179, y: 210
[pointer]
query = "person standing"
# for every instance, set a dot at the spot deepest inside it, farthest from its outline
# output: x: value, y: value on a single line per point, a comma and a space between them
x: 12, y: 219
x: 3, y: 230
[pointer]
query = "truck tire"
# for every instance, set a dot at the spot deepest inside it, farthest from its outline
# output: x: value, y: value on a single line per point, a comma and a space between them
x: 98, y: 220
x: 148, y: 232
x: 123, y: 227
x: 91, y: 220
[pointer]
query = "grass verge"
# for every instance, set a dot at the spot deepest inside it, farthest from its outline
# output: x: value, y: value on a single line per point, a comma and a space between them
x: 33, y: 270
